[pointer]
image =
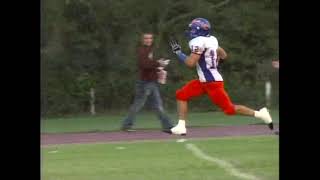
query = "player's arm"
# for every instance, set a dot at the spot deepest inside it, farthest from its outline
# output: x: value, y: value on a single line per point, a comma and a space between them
x: 144, y: 62
x: 222, y: 55
x: 190, y: 61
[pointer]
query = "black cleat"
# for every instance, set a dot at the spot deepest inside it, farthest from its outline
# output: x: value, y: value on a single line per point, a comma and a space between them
x: 270, y: 125
x: 167, y: 131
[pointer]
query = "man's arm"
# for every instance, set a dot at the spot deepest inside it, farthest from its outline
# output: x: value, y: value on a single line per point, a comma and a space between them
x: 275, y: 64
x: 144, y: 61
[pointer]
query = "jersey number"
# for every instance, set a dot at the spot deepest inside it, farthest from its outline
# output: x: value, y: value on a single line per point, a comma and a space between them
x: 214, y: 62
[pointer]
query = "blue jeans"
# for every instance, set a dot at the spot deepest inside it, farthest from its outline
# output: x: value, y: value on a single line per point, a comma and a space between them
x: 145, y: 89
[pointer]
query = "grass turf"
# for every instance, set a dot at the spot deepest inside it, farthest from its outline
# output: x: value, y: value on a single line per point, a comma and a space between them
x: 158, y: 160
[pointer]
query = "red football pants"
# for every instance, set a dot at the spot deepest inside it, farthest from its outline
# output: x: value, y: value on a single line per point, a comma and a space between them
x: 215, y: 91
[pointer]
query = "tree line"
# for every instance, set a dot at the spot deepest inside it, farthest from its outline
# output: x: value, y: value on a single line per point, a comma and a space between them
x: 91, y: 44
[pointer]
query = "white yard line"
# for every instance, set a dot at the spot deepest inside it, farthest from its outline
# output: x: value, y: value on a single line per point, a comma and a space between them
x: 228, y: 167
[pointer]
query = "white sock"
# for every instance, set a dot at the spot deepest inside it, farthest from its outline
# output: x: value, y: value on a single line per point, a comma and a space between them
x: 257, y: 114
x: 181, y: 123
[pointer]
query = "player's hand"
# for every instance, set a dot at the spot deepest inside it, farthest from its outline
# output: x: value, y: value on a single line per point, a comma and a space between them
x: 176, y: 48
x: 219, y: 59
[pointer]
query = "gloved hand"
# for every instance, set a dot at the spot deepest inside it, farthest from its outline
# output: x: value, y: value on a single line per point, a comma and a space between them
x: 176, y: 48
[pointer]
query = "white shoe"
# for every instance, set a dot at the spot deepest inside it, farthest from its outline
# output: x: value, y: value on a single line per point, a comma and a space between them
x: 265, y: 115
x: 179, y: 130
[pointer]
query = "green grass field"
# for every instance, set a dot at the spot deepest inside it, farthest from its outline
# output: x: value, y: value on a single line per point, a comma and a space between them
x: 144, y: 120
x: 162, y: 160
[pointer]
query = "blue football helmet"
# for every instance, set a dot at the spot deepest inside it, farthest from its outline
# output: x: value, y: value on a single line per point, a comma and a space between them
x: 198, y: 27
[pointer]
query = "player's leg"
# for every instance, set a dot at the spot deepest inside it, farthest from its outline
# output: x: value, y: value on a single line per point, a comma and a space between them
x: 157, y: 105
x: 141, y: 96
x: 220, y: 97
x: 182, y: 107
x: 243, y: 110
x: 183, y: 95
x: 262, y: 114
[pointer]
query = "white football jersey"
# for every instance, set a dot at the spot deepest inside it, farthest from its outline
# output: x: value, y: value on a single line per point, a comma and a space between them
x: 208, y: 63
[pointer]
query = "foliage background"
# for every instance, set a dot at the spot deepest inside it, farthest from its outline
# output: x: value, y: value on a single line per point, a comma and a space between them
x: 91, y: 44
